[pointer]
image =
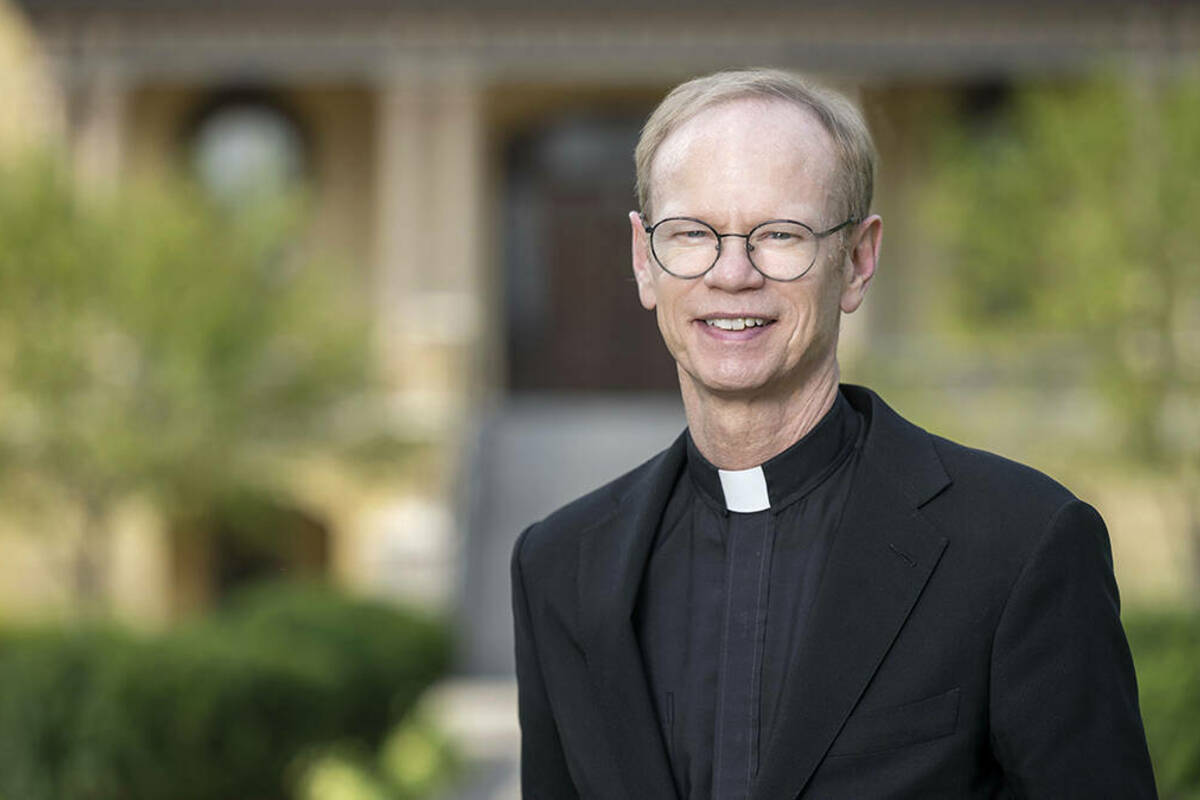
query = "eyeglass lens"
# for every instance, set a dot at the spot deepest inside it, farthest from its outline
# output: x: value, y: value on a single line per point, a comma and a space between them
x: 688, y: 248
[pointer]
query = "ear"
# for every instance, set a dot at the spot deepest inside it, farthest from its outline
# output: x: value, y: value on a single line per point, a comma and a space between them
x: 862, y: 256
x: 643, y: 269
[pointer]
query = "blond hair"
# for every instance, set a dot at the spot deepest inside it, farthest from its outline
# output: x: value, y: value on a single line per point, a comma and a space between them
x: 838, y: 116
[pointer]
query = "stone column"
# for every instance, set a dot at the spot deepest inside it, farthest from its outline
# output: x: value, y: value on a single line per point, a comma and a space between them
x: 429, y: 254
x: 455, y: 285
x: 400, y: 219
x: 32, y: 113
x: 99, y: 129
x: 429, y: 235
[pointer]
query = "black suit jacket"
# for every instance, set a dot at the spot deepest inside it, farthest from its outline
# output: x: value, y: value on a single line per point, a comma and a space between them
x: 965, y: 641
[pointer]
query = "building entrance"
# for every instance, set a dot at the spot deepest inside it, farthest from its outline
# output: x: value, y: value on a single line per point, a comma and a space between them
x: 574, y: 321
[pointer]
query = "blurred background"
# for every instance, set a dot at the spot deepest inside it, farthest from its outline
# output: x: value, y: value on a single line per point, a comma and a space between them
x: 307, y: 308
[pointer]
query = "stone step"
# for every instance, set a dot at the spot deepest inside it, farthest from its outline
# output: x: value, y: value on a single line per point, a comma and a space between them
x: 530, y: 456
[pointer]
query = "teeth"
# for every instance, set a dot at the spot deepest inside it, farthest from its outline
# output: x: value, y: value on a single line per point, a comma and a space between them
x: 735, y: 323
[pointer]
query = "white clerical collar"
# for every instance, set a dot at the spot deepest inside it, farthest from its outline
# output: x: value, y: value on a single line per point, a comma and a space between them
x: 785, y: 477
x: 745, y: 490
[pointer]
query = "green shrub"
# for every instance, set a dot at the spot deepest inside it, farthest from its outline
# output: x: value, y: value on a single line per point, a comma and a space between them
x: 46, y: 678
x: 380, y: 657
x: 195, y: 717
x: 212, y: 711
x: 1166, y: 649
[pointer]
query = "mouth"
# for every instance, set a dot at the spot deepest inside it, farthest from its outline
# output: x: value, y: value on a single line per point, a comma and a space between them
x: 737, y: 323
x: 734, y: 327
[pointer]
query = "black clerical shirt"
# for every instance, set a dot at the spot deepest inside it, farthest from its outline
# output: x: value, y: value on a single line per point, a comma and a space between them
x: 725, y: 597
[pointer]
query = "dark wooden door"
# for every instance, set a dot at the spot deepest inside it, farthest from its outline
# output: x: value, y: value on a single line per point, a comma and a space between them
x: 574, y: 321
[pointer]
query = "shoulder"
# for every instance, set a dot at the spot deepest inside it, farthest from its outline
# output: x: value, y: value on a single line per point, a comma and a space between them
x: 931, y: 467
x: 546, y: 539
x: 1006, y: 509
x: 988, y: 481
x: 1015, y: 539
x: 992, y: 503
x: 1017, y: 530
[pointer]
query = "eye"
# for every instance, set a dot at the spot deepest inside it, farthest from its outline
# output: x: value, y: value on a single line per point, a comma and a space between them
x: 680, y: 232
x: 780, y: 235
x: 774, y: 236
x: 690, y: 234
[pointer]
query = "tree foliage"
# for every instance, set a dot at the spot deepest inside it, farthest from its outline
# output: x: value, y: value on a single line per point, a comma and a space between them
x: 1073, y: 214
x: 154, y: 343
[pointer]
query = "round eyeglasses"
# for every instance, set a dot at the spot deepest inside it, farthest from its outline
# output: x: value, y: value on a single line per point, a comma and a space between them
x: 780, y: 249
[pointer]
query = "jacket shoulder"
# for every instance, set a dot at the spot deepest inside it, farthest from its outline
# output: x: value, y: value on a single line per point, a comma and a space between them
x: 563, y: 527
x: 985, y: 474
x: 1000, y: 508
x: 936, y: 473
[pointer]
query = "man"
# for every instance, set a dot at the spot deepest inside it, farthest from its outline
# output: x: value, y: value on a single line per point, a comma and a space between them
x: 806, y: 595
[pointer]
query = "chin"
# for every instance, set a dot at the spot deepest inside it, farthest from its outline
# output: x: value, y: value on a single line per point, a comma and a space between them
x: 728, y: 382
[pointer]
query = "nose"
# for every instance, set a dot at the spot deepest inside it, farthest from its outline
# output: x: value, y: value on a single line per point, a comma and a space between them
x: 733, y: 271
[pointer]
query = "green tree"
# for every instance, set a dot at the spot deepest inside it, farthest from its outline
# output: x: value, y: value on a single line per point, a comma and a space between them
x: 1073, y: 215
x: 152, y: 343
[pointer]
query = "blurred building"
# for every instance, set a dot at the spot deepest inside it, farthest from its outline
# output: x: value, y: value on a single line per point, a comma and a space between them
x: 471, y: 163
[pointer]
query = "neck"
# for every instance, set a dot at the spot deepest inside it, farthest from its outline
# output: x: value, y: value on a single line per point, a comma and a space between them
x: 736, y: 432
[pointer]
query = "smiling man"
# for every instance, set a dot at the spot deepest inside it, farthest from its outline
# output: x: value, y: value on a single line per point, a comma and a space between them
x: 806, y: 595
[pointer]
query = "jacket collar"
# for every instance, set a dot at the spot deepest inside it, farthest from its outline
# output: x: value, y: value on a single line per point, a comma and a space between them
x: 880, y: 559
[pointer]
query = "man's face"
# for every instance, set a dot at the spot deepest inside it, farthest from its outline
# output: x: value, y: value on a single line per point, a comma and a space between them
x: 736, y: 165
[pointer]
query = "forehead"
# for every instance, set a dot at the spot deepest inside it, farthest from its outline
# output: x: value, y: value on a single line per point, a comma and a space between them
x: 746, y: 152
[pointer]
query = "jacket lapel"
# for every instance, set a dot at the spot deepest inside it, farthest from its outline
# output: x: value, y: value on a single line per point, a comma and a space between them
x: 613, y: 557
x: 881, y: 557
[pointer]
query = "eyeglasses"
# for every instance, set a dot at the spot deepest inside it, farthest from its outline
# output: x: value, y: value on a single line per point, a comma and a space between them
x: 780, y: 249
